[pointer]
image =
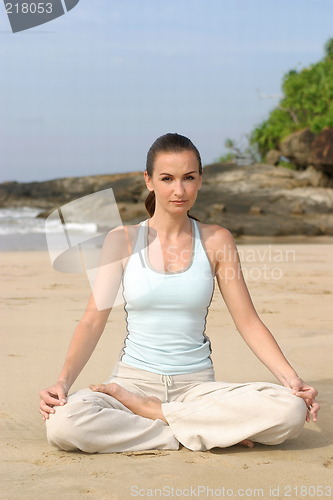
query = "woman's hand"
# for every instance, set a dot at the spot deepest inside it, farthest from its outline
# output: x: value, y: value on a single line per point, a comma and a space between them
x: 50, y: 397
x: 308, y: 394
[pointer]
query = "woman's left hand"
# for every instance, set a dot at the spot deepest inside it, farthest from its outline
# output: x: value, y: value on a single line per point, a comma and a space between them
x: 308, y: 394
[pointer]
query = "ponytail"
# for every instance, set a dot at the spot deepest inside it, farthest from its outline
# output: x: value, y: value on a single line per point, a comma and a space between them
x: 150, y: 203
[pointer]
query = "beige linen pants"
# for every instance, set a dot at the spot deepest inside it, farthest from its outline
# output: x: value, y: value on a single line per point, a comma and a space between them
x: 201, y: 414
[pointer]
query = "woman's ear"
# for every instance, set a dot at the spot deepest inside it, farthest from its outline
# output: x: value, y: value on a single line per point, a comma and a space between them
x: 148, y: 181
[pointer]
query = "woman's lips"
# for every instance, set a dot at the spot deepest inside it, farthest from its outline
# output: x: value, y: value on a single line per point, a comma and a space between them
x: 178, y: 202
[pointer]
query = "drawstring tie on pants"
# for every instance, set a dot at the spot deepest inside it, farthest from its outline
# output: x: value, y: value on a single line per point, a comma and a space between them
x: 167, y: 381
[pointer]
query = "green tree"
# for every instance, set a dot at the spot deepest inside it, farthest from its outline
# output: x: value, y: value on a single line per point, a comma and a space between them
x: 241, y: 152
x: 307, y: 102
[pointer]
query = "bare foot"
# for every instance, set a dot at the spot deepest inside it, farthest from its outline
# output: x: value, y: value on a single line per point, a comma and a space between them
x: 248, y: 443
x: 145, y: 406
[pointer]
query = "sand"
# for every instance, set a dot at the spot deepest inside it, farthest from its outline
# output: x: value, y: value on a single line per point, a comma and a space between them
x: 39, y: 310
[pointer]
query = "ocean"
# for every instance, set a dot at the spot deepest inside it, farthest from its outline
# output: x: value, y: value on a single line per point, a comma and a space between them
x: 22, y: 230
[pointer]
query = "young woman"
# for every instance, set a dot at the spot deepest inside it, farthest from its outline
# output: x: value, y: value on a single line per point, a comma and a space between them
x: 162, y: 391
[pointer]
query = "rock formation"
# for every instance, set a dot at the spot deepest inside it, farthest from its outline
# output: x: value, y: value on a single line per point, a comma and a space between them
x: 297, y: 147
x: 304, y: 148
x: 265, y: 200
x: 252, y: 200
x: 322, y: 152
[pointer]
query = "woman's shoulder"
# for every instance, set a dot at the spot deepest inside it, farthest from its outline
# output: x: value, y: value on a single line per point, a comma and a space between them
x: 124, y: 237
x: 123, y: 230
x: 218, y: 242
x: 215, y: 235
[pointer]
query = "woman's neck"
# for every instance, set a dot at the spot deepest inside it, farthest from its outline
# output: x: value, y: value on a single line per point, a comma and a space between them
x: 170, y: 225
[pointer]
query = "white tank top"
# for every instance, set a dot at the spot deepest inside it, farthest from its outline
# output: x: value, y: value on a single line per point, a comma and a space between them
x: 166, y: 311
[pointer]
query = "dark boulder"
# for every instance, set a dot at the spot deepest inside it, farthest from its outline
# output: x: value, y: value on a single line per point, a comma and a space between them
x: 304, y: 148
x: 321, y: 156
x: 297, y: 147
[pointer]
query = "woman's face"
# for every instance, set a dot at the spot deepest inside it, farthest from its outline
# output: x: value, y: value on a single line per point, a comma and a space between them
x: 175, y: 181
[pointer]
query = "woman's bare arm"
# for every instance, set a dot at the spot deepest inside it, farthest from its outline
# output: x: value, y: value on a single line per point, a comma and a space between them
x: 93, y: 321
x: 257, y: 336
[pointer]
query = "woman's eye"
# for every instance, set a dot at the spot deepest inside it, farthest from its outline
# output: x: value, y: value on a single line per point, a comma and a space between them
x: 188, y: 177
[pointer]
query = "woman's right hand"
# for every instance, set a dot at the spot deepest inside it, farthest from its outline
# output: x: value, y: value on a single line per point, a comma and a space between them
x: 50, y: 397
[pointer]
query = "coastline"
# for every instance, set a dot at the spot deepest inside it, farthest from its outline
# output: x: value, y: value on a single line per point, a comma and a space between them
x: 37, y: 242
x: 40, y: 308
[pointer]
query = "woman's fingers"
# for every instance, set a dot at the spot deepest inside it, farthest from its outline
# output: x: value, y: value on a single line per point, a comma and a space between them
x: 51, y: 401
x: 45, y: 406
x: 55, y: 396
x: 44, y: 414
x: 307, y: 393
x: 45, y: 410
x: 313, y: 409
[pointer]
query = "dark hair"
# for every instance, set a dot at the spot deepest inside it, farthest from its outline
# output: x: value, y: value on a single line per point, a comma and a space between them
x: 167, y: 143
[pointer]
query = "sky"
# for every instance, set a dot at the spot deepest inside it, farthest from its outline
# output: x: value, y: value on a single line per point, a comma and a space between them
x: 89, y: 92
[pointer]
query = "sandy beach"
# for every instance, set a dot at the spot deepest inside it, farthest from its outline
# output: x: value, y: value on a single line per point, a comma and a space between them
x: 291, y: 285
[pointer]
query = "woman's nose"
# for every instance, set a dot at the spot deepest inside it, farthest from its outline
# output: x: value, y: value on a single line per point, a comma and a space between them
x: 179, y: 188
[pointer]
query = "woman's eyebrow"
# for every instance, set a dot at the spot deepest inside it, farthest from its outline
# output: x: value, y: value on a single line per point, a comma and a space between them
x: 188, y: 173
